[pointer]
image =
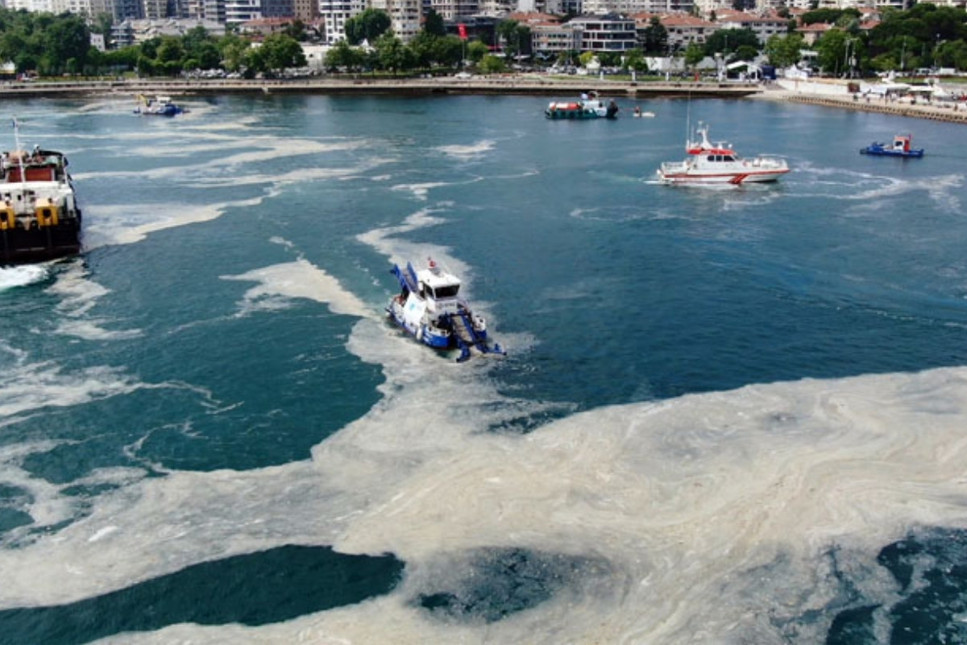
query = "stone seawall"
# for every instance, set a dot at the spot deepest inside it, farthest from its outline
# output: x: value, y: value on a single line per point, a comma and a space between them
x: 526, y: 85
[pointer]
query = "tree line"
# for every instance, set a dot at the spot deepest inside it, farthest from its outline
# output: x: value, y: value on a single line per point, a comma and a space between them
x: 52, y: 45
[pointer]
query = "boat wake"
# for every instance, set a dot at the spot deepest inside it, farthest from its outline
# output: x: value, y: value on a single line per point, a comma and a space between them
x: 21, y: 276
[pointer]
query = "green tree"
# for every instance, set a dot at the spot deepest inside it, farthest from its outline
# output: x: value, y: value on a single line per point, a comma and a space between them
x: 515, y: 37
x: 694, y: 54
x: 476, y: 51
x: 448, y: 51
x: 232, y: 48
x: 296, y: 30
x: 784, y: 51
x: 726, y: 41
x: 368, y: 25
x: 343, y: 56
x: 744, y: 52
x: 433, y: 24
x: 281, y: 51
x: 392, y: 54
x: 654, y: 38
x: 68, y: 37
x: 490, y: 64
x: 635, y: 59
x: 827, y: 16
x: 831, y: 48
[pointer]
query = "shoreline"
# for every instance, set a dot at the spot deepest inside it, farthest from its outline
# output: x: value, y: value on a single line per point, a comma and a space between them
x: 520, y: 84
x: 527, y: 85
x: 947, y: 112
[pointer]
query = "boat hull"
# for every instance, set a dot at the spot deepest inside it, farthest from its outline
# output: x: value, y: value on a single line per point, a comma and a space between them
x: 885, y: 152
x: 562, y: 115
x: 734, y: 179
x: 19, y: 246
x: 419, y: 326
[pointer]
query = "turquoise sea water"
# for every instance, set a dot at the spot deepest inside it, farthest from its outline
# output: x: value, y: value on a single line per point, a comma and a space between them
x: 726, y: 415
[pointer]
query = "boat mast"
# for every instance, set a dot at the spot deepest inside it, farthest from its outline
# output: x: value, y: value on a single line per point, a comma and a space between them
x: 20, y: 157
x: 688, y: 119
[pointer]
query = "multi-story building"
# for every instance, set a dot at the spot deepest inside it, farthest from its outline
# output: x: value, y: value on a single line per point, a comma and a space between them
x: 239, y: 11
x: 608, y: 33
x: 497, y: 7
x: 552, y: 38
x: 683, y: 30
x: 213, y: 11
x: 335, y: 13
x: 306, y: 10
x: 763, y: 26
x: 456, y: 9
x: 405, y: 16
x: 277, y: 8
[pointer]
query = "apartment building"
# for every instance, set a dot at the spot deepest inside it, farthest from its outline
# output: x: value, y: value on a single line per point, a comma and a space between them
x: 764, y: 26
x: 405, y: 15
x: 608, y: 33
x: 684, y: 29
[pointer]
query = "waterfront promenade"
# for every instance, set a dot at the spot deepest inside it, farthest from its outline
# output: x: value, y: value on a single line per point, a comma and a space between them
x: 832, y: 94
x: 360, y: 84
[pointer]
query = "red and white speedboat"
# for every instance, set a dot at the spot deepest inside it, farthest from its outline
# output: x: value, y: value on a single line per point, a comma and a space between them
x: 718, y: 164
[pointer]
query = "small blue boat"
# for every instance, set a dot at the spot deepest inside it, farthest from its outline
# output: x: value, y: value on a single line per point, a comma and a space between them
x: 429, y: 309
x: 901, y: 148
x: 158, y: 106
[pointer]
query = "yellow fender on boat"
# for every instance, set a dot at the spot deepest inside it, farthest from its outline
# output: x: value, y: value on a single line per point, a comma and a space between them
x: 8, y: 219
x: 47, y: 214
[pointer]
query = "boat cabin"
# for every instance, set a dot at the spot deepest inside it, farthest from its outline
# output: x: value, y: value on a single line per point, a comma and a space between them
x: 439, y: 287
x: 901, y: 142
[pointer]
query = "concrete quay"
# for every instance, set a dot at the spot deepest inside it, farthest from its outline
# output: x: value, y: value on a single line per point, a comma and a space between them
x: 522, y: 85
x: 835, y: 96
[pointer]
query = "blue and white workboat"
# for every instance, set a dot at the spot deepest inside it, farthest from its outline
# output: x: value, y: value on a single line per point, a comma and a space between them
x: 428, y: 307
x: 902, y: 147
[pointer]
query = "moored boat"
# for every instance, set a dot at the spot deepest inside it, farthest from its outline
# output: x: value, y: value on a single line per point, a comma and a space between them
x: 39, y: 216
x: 589, y: 106
x: 428, y: 308
x: 719, y: 164
x: 902, y: 147
x: 157, y: 106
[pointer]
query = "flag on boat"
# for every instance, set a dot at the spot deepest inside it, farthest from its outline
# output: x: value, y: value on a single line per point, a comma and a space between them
x: 462, y: 30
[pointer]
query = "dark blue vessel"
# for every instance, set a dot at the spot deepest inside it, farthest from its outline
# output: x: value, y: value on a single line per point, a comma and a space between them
x: 900, y: 148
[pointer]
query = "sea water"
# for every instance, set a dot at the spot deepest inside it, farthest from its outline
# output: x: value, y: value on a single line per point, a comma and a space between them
x: 729, y: 415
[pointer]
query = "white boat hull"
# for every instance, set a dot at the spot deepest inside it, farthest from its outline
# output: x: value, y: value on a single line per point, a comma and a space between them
x: 733, y: 178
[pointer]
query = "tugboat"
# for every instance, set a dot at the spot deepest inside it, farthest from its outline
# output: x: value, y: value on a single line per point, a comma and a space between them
x: 588, y: 107
x: 428, y: 308
x: 901, y: 148
x: 39, y: 216
x: 158, y: 106
x: 719, y: 164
